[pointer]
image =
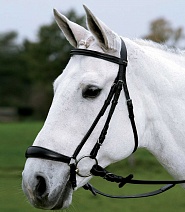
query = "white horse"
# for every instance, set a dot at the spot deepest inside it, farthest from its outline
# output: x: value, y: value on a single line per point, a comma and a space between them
x: 156, y: 82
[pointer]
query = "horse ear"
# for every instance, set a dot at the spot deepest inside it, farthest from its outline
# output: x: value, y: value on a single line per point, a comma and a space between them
x: 107, y: 39
x: 73, y: 32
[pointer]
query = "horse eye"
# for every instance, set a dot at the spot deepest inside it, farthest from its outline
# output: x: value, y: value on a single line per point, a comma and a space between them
x: 91, y: 91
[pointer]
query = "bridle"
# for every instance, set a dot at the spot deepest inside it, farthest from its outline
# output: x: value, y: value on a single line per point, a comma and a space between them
x: 112, y: 98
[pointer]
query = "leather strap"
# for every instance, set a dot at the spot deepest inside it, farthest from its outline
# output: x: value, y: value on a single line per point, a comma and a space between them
x: 97, y: 170
x: 95, y: 191
x: 43, y: 153
x: 103, y: 56
x: 101, y: 172
x: 119, y: 83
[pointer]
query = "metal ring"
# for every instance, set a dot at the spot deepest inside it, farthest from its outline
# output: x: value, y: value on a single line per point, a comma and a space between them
x: 77, y: 169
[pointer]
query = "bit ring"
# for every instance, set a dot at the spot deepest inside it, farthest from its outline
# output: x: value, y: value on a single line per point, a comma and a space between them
x: 78, y: 170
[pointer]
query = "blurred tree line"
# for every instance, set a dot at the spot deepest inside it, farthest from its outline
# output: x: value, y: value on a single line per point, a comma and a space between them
x: 161, y: 31
x: 27, y: 70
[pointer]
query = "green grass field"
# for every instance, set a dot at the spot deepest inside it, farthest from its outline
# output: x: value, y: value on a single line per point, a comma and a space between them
x: 16, y: 137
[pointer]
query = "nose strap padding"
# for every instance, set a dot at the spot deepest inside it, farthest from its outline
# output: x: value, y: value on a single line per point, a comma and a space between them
x: 43, y: 153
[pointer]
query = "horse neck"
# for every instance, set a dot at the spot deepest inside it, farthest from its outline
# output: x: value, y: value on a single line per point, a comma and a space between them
x: 157, y: 84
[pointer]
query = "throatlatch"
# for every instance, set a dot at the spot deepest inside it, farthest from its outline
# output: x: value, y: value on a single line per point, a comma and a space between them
x: 112, y: 98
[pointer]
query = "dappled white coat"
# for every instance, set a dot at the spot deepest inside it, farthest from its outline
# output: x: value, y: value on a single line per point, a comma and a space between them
x: 156, y: 82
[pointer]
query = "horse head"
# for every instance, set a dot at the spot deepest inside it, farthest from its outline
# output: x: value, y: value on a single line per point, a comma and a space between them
x: 79, y: 93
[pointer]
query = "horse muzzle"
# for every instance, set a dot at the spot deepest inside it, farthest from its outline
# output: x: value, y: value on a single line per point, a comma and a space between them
x: 45, y: 190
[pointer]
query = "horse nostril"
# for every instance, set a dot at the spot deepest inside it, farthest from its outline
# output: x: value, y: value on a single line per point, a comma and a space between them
x: 41, y: 187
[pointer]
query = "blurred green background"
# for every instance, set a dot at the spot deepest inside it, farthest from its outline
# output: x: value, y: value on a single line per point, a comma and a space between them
x: 16, y: 137
x: 27, y: 70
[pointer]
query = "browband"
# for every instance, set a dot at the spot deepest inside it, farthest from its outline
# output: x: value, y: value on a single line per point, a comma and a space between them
x: 103, y: 56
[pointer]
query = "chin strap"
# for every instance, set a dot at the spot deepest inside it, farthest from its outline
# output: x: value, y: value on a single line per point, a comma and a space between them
x: 101, y: 172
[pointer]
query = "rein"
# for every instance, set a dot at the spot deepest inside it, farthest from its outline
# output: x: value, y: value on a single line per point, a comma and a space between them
x: 112, y: 98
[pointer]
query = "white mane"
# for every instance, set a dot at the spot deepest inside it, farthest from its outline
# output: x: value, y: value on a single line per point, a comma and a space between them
x: 172, y: 52
x: 160, y: 46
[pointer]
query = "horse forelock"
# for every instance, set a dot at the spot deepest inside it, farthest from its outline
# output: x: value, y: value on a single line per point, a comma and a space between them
x: 86, y: 43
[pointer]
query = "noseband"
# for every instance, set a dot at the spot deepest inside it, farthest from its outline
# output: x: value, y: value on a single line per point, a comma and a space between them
x: 112, y: 98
